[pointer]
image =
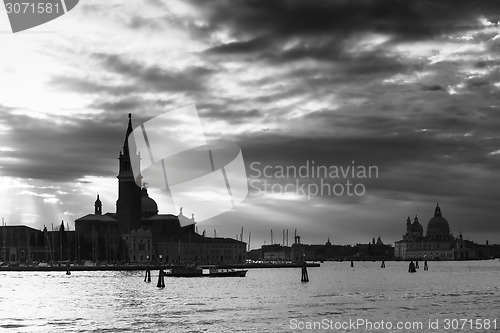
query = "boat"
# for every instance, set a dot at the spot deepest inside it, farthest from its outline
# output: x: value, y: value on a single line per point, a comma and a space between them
x: 205, y: 271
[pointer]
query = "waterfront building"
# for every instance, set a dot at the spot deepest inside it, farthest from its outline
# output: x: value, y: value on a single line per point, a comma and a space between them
x: 276, y: 252
x: 299, y: 252
x: 20, y: 243
x: 24, y: 245
x: 375, y: 250
x: 194, y: 248
x: 437, y: 244
x: 140, y: 247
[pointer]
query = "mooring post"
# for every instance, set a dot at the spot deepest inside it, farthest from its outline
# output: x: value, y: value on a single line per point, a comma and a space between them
x: 383, y: 264
x: 411, y: 267
x: 161, y: 279
x: 352, y: 263
x: 426, y: 268
x: 305, y: 276
x: 147, y: 277
x: 67, y: 269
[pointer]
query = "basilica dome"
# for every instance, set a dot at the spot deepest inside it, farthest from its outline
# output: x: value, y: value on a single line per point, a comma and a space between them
x: 416, y: 226
x: 149, y: 206
x: 438, y: 224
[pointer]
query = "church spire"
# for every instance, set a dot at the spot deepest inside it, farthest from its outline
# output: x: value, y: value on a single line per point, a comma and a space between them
x: 128, y: 205
x: 129, y: 130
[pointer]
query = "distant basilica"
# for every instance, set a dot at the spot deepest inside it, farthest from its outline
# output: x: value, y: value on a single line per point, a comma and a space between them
x: 437, y: 244
x: 137, y: 233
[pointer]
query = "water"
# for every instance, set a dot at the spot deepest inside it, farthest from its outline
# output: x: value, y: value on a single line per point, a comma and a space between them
x: 266, y: 300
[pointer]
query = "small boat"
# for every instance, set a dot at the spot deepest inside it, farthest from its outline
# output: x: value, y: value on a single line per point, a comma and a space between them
x: 205, y: 271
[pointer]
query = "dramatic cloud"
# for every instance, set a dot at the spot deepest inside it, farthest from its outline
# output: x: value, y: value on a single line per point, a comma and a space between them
x: 411, y: 87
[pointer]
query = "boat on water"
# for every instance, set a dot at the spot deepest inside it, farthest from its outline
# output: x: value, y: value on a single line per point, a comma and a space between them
x: 205, y: 271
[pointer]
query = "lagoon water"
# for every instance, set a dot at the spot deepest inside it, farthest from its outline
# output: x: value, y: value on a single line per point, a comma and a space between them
x: 266, y: 300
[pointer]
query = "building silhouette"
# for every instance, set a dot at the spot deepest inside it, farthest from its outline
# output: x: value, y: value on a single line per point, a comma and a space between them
x: 137, y: 233
x: 298, y: 252
x: 438, y: 243
x: 23, y: 244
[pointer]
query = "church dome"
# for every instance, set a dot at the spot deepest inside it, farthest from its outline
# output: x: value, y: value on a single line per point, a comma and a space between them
x: 438, y: 224
x: 416, y: 226
x: 149, y: 206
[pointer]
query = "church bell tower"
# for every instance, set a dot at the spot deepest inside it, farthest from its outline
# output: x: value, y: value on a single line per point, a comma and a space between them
x: 98, y: 206
x: 128, y: 205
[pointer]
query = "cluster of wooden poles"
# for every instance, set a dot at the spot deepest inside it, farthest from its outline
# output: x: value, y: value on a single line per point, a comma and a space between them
x: 412, y: 268
x: 161, y: 278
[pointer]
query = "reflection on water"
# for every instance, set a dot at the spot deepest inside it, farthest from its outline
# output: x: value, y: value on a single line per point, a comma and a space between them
x: 263, y: 301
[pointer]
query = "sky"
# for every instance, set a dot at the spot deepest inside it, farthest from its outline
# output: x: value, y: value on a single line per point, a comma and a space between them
x: 409, y: 88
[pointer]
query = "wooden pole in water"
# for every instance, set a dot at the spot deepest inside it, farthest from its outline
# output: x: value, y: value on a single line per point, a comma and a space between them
x: 305, y: 276
x: 426, y: 268
x: 411, y: 267
x: 61, y: 229
x: 383, y: 264
x: 161, y: 279
x: 352, y: 263
x: 68, y: 241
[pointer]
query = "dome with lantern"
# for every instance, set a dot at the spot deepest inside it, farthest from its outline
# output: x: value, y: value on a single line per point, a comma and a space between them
x: 438, y: 225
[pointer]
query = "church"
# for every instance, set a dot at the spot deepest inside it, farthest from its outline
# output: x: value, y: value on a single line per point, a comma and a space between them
x: 137, y: 233
x: 437, y: 244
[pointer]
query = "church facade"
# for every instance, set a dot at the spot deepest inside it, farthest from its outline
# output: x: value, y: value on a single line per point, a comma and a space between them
x: 137, y: 233
x: 437, y: 244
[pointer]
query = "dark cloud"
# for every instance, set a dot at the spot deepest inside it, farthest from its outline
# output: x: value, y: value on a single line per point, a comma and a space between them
x: 132, y: 104
x: 89, y: 86
x: 406, y: 19
x: 156, y: 78
x: 48, y: 151
x: 323, y: 27
x: 143, y: 78
x: 253, y: 45
x: 433, y: 87
x: 232, y: 116
x: 428, y: 154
